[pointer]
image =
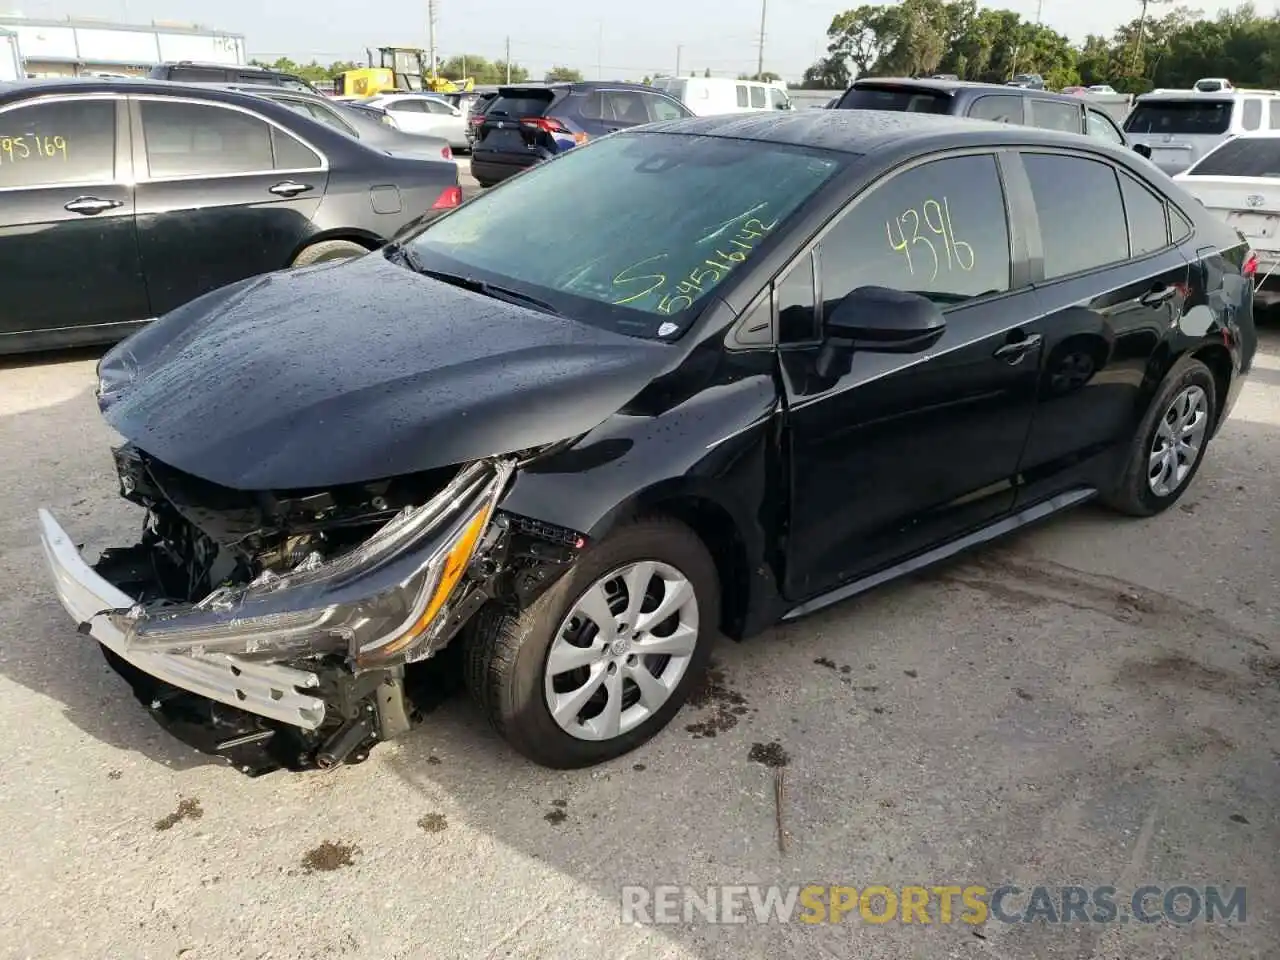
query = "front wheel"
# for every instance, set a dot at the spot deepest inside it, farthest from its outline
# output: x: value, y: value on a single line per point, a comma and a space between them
x: 1169, y: 446
x: 606, y: 657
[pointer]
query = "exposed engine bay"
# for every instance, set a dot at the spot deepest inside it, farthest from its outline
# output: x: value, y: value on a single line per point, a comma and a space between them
x: 360, y: 588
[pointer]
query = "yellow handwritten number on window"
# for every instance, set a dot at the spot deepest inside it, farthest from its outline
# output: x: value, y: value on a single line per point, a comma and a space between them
x: 937, y: 218
x: 13, y: 149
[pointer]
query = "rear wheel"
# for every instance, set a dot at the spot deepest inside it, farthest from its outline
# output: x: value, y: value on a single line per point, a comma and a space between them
x: 1170, y: 444
x: 605, y: 658
x: 328, y: 250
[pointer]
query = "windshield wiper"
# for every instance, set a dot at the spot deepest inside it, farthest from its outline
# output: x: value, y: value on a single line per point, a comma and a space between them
x: 484, y: 288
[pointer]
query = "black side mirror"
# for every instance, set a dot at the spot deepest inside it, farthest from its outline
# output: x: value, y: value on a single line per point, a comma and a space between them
x: 881, y: 320
x: 1142, y: 150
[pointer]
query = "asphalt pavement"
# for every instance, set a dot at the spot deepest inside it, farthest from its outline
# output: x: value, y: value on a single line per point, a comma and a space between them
x: 1094, y: 702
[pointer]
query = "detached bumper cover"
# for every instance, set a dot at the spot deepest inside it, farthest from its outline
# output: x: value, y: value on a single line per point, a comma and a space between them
x: 266, y: 689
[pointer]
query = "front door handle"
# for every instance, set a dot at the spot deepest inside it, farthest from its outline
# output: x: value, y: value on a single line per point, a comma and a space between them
x: 289, y: 188
x: 90, y: 206
x: 1158, y: 295
x: 1012, y: 353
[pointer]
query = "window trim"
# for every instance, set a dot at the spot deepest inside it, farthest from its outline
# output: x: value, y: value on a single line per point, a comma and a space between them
x: 141, y: 166
x: 1019, y: 272
x: 122, y: 158
x: 1169, y: 243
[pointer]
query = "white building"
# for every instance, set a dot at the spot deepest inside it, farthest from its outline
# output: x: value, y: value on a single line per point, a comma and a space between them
x: 71, y: 47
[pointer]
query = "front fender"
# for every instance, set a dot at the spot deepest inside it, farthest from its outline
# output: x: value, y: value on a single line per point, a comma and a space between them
x: 713, y: 460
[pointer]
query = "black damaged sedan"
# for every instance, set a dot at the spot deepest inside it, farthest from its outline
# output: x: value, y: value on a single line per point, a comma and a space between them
x: 759, y: 365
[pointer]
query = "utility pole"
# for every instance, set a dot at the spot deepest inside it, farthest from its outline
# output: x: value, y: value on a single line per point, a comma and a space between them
x: 679, y: 50
x: 600, y: 52
x: 760, y: 61
x: 1039, y: 11
x: 508, y: 58
x: 431, y: 34
x: 1137, y: 45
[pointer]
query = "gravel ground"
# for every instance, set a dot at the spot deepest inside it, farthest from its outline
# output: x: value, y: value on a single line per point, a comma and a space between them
x: 1091, y: 702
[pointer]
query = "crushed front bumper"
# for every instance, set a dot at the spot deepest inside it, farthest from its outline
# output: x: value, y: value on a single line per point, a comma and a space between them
x: 283, y: 694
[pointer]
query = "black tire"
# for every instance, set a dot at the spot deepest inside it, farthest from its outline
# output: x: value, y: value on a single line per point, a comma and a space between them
x: 506, y: 654
x: 1132, y: 493
x: 327, y: 250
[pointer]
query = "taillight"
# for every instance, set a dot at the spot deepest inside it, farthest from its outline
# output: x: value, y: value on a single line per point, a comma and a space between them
x: 1250, y: 265
x: 545, y: 124
x: 447, y: 152
x: 449, y: 198
x: 476, y: 121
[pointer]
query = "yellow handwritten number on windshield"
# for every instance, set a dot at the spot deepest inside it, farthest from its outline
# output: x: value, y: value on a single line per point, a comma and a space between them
x: 623, y: 279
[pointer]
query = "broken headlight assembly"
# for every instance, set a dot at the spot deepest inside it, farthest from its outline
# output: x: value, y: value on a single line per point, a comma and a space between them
x: 377, y: 604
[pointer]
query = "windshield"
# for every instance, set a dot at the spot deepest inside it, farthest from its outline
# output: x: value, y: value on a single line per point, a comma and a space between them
x: 1244, y: 157
x: 901, y: 99
x: 1180, y: 116
x: 632, y: 232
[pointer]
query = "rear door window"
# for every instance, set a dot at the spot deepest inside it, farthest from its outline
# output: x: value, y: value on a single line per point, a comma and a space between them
x: 758, y: 101
x: 437, y: 106
x: 1054, y: 115
x: 194, y: 139
x: 616, y: 106
x: 65, y: 141
x: 407, y: 106
x: 1273, y: 113
x: 1184, y: 117
x: 1148, y: 229
x: 901, y: 99
x: 999, y: 108
x: 1081, y: 215
x: 1242, y: 157
x: 744, y: 99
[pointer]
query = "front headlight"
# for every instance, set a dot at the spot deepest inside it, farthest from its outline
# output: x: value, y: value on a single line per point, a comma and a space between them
x: 378, y: 603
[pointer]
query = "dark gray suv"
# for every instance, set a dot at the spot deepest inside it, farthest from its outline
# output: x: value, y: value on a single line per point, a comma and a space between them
x: 984, y: 101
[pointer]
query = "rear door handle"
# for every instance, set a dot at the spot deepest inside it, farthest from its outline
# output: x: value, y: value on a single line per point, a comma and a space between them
x: 1012, y: 353
x: 1158, y: 295
x: 289, y: 188
x: 90, y: 206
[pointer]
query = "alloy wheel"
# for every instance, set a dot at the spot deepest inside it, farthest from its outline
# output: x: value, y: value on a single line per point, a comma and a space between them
x: 1179, y: 441
x: 622, y: 650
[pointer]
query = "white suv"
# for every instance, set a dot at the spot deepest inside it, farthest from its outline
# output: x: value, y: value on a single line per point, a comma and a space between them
x: 1181, y: 126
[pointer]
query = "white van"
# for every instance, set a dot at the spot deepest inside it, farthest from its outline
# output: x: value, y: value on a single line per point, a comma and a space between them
x: 1181, y: 126
x: 709, y: 96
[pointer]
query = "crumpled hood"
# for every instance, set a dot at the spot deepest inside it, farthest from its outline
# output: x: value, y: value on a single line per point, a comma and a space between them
x: 354, y: 371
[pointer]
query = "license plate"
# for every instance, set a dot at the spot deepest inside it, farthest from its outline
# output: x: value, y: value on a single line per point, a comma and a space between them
x: 1260, y: 225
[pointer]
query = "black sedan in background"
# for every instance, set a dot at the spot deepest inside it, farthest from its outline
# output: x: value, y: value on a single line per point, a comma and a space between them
x: 768, y: 362
x: 370, y: 125
x: 123, y: 199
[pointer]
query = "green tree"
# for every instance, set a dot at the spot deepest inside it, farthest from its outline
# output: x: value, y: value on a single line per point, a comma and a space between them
x: 560, y: 74
x: 768, y: 76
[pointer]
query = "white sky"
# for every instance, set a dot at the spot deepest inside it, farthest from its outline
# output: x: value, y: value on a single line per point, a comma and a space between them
x: 627, y: 40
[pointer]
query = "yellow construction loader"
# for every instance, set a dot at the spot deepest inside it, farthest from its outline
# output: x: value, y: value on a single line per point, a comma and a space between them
x: 399, y: 70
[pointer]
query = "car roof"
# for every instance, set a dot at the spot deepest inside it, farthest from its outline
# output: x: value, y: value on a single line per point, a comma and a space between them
x: 579, y: 85
x: 956, y: 86
x: 25, y: 89
x: 239, y: 67
x: 1209, y: 96
x: 869, y: 131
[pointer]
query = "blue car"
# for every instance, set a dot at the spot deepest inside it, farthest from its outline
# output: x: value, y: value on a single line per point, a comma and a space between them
x: 530, y: 122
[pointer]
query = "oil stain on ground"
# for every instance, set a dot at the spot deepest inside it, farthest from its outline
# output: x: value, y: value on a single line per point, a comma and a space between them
x: 768, y: 754
x: 188, y: 809
x: 434, y: 823
x: 724, y: 705
x: 330, y: 855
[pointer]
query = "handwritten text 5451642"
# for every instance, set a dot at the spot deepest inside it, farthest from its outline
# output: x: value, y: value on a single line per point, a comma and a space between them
x: 32, y: 146
x: 698, y: 281
x: 936, y: 219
